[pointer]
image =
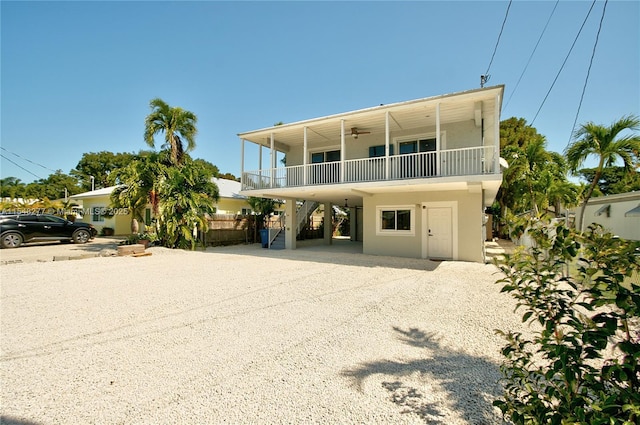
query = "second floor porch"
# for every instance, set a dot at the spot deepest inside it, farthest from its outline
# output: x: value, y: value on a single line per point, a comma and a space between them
x: 463, y: 162
x: 421, y: 144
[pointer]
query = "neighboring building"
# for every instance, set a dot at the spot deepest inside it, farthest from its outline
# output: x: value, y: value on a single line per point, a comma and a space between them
x: 416, y: 175
x: 96, y: 210
x: 98, y: 202
x: 231, y: 201
x: 619, y: 214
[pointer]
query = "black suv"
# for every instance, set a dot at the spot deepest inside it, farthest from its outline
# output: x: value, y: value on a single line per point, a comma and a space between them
x: 16, y: 229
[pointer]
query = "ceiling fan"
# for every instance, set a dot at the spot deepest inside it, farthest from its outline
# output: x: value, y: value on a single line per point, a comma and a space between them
x: 355, y: 132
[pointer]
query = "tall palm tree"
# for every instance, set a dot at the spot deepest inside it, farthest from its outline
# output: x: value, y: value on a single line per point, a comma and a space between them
x: 606, y: 144
x: 177, y: 124
x: 528, y: 162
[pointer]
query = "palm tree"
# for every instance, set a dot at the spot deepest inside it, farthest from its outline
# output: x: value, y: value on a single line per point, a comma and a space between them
x: 188, y: 195
x: 138, y: 185
x: 12, y: 187
x: 605, y: 144
x: 177, y: 124
x: 528, y: 163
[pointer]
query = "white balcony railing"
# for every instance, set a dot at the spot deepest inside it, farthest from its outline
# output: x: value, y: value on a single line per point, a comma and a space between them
x: 446, y: 163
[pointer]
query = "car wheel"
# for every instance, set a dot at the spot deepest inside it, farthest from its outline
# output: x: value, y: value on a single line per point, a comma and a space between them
x: 81, y: 236
x: 11, y: 240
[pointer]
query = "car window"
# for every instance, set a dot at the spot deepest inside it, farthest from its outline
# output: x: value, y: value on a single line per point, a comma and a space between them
x: 50, y: 218
x: 27, y: 217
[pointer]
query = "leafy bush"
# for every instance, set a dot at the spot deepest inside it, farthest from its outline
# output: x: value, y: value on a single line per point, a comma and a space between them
x: 582, y: 363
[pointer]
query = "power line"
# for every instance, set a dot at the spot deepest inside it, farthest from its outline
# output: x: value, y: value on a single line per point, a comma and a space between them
x: 25, y: 159
x: 563, y: 63
x: 484, y: 78
x: 533, y: 52
x: 584, y: 88
x: 19, y: 166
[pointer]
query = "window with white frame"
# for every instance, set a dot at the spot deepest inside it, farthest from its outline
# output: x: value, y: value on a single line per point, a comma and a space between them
x: 397, y: 220
x: 97, y: 214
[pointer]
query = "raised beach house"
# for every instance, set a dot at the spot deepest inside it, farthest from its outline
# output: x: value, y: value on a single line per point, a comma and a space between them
x: 416, y: 176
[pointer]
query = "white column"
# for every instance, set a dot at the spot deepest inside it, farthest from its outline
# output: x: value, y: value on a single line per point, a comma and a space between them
x: 328, y: 225
x: 342, y: 152
x: 273, y: 151
x: 290, y: 224
x: 273, y: 160
x: 241, y: 163
x: 438, y: 147
x: 305, y: 156
x: 496, y: 135
x: 260, y: 165
x: 387, y: 162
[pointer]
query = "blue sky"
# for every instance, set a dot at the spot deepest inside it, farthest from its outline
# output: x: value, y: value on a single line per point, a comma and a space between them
x: 78, y: 76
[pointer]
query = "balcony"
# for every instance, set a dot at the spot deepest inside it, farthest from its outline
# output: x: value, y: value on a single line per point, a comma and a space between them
x: 445, y: 163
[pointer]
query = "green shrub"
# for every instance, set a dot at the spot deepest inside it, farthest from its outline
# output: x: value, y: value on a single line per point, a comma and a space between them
x: 582, y: 363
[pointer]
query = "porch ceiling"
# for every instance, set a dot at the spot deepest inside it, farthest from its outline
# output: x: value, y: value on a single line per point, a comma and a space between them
x: 354, y: 193
x: 455, y: 107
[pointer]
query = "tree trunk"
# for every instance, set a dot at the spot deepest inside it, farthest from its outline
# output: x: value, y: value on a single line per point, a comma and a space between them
x: 596, y: 177
x: 135, y: 227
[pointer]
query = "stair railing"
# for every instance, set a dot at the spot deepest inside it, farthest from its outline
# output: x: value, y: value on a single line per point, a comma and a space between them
x: 304, y: 212
x: 273, y: 233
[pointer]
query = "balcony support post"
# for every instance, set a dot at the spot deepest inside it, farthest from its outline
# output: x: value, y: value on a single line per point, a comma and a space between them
x: 342, y: 152
x: 305, y: 156
x: 496, y: 135
x: 260, y: 162
x: 438, y: 147
x: 241, y: 163
x: 273, y: 160
x: 387, y: 162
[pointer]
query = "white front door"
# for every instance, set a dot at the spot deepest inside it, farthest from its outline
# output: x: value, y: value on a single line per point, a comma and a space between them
x: 439, y: 233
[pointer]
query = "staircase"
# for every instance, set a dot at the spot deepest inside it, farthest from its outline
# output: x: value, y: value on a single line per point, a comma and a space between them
x: 278, y: 242
x: 277, y: 233
x: 304, y: 213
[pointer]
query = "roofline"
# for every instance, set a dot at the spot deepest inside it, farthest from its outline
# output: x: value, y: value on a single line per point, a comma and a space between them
x: 376, y: 108
x: 624, y: 197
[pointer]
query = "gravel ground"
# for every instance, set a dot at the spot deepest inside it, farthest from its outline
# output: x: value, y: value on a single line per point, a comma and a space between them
x: 246, y: 335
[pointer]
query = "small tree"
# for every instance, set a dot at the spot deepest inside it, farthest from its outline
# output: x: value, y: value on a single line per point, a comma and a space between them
x: 583, y: 363
x: 263, y: 207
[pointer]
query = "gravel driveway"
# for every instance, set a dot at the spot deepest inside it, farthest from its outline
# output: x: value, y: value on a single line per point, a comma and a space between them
x: 247, y: 335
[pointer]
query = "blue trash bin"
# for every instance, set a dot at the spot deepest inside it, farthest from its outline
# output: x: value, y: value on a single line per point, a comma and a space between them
x: 264, y: 237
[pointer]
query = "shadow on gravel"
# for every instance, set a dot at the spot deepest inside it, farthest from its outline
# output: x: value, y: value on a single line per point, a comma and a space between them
x: 8, y: 420
x: 97, y: 245
x: 469, y: 383
x: 343, y: 252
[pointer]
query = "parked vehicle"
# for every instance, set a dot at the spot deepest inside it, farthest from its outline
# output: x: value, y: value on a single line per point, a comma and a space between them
x: 16, y: 229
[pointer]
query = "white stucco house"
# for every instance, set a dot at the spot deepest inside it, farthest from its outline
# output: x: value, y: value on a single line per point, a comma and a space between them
x: 619, y: 214
x: 416, y: 175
